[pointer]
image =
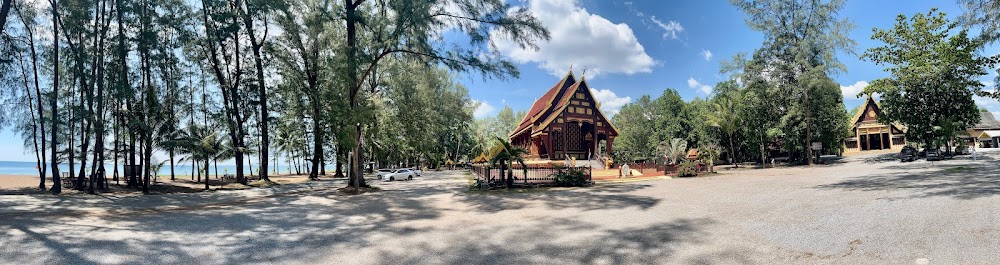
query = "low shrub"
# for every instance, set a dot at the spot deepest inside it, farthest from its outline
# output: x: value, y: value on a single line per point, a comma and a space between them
x: 571, y: 178
x: 687, y: 169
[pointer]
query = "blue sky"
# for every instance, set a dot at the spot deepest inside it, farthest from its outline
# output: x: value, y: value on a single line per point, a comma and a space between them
x: 677, y: 36
x: 635, y: 48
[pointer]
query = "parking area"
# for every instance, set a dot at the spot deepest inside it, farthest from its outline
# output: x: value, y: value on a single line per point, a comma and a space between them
x: 850, y: 212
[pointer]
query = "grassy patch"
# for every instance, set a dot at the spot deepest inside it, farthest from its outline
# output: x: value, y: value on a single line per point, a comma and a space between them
x: 958, y: 169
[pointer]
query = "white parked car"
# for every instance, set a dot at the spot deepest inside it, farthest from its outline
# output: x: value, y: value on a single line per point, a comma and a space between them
x: 382, y: 172
x: 417, y: 171
x: 400, y: 174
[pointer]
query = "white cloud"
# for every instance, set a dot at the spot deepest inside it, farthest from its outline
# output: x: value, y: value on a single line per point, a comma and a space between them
x: 707, y: 54
x: 670, y: 29
x: 581, y: 39
x: 611, y: 103
x: 851, y: 91
x: 692, y: 83
x: 483, y: 110
x: 987, y: 102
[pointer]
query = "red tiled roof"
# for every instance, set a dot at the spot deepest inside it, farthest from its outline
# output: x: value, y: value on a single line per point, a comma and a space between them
x: 544, y: 103
x: 565, y: 100
x: 553, y: 102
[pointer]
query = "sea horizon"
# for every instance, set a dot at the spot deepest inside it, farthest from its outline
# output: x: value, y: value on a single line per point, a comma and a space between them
x: 23, y: 168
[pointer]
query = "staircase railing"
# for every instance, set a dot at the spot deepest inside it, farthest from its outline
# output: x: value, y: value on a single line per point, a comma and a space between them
x: 603, y: 160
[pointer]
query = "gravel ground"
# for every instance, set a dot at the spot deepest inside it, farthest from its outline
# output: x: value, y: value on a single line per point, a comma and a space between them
x: 850, y: 212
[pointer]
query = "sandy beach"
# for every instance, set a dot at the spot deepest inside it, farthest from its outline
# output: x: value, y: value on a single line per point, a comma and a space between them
x: 17, y: 182
x: 21, y: 184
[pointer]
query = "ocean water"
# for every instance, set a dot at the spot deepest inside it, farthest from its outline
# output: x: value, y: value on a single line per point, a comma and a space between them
x: 30, y: 168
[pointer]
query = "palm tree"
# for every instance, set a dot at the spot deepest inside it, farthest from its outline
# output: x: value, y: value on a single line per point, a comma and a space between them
x: 201, y: 145
x: 672, y: 150
x: 506, y: 155
x: 155, y: 168
x: 166, y: 141
x: 728, y: 119
x: 709, y: 153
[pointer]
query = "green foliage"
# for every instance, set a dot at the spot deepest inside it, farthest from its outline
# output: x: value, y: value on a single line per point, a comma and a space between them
x: 636, y: 139
x: 788, y: 77
x: 933, y: 75
x: 708, y: 154
x: 984, y: 14
x: 571, y: 177
x: 687, y: 169
x: 487, y: 129
x: 727, y: 113
x: 507, y: 156
x: 672, y: 150
x: 647, y: 122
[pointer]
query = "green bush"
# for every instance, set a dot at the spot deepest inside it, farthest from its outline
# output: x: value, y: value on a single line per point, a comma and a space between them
x: 571, y: 178
x: 687, y: 169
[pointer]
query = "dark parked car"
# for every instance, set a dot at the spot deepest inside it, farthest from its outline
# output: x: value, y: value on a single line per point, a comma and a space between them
x: 962, y: 149
x: 908, y: 154
x: 933, y: 154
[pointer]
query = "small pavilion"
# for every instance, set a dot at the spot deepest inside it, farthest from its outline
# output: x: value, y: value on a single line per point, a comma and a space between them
x: 565, y: 122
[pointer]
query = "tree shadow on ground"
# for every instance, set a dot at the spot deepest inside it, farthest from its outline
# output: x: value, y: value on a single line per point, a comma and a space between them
x: 272, y: 229
x: 584, y: 199
x: 960, y: 179
x: 314, y: 225
x: 560, y: 241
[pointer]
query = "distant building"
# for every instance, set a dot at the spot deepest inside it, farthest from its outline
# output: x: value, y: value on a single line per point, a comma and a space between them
x: 872, y: 136
x: 986, y: 133
x: 565, y: 121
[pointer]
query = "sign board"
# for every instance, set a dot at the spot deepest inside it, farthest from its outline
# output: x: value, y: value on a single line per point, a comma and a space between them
x: 816, y: 146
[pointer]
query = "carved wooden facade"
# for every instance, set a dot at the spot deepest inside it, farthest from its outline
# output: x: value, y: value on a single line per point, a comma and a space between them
x: 565, y: 121
x: 871, y: 135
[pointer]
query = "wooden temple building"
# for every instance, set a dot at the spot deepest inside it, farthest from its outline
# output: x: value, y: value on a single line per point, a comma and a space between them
x: 872, y: 136
x: 565, y: 122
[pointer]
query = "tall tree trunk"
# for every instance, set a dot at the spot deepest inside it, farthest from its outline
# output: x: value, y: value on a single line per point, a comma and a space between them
x: 763, y: 154
x: 56, y: 181
x: 4, y: 9
x: 38, y: 121
x: 117, y: 146
x: 206, y: 174
x: 351, y: 6
x: 115, y: 131
x: 172, y: 176
x: 340, y: 163
x: 732, y: 152
x: 229, y: 84
x: 83, y: 153
x: 809, y: 151
x: 123, y: 82
x: 34, y: 125
x: 130, y: 178
x: 317, y: 155
x: 98, y: 119
x: 256, y: 45
x: 298, y: 163
x: 147, y: 161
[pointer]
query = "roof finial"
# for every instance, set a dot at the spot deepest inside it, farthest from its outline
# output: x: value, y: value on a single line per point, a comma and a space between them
x: 584, y: 71
x: 570, y: 68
